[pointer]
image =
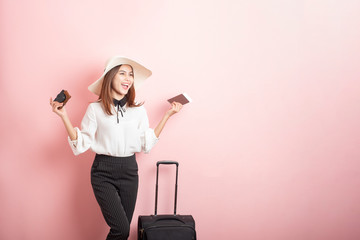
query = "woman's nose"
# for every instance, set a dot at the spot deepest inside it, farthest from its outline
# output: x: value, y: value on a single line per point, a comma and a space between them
x: 129, y: 78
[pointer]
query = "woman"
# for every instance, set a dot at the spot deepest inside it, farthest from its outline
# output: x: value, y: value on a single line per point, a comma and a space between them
x: 115, y: 128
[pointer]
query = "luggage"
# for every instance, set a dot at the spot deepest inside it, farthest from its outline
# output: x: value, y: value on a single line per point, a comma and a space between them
x: 166, y: 227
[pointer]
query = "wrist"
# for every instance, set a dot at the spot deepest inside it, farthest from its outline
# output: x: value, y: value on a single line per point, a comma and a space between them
x: 64, y: 117
x: 167, y: 115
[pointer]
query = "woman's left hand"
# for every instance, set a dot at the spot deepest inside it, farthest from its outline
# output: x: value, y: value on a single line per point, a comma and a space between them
x: 176, y: 107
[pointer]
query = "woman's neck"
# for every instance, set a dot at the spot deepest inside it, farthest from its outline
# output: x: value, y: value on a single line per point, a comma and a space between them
x: 116, y: 95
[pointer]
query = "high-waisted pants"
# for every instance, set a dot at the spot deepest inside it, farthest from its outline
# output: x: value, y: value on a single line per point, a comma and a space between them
x: 115, y: 184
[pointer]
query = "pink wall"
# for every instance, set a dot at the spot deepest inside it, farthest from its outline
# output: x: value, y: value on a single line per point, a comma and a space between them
x: 269, y: 149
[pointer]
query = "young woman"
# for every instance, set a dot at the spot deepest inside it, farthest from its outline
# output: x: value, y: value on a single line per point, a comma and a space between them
x: 115, y: 128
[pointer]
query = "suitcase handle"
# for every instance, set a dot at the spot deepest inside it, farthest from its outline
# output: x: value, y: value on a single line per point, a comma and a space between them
x: 167, y: 162
x: 157, y: 180
x: 172, y: 219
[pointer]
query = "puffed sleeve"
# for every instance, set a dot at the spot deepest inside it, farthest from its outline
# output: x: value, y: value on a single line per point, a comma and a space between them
x: 86, y: 136
x: 147, y: 135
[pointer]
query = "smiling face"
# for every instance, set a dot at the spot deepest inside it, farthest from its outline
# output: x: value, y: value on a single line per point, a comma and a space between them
x: 122, y: 81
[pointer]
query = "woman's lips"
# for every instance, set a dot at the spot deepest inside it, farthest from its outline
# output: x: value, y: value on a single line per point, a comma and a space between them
x: 125, y: 86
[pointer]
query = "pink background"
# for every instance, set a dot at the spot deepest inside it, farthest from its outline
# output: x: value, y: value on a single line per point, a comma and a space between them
x: 269, y: 149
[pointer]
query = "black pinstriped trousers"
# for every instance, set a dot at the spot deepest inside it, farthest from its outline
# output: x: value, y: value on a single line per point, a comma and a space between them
x: 115, y: 184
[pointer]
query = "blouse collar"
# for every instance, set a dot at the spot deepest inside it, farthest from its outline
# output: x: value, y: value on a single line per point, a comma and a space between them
x: 120, y: 102
x: 119, y: 105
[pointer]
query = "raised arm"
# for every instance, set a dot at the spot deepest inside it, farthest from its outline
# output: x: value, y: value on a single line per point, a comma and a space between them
x: 61, y: 112
x: 176, y: 107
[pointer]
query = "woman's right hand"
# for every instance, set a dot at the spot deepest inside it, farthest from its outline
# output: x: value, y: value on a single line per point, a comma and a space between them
x: 61, y: 112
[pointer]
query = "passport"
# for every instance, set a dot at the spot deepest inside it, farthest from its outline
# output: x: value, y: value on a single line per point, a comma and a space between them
x: 181, y: 98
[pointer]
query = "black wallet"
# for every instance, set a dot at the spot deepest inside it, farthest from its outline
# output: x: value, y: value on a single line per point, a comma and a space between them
x: 63, y: 97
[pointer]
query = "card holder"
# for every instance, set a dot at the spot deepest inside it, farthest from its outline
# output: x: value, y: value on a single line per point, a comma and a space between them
x: 63, y: 97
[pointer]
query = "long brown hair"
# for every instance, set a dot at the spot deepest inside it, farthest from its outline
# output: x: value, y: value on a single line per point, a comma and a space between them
x: 105, y: 94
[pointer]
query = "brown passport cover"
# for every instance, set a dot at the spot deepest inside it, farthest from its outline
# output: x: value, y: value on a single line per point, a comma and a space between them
x: 181, y: 98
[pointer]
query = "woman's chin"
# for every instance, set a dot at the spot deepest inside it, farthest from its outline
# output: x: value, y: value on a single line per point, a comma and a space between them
x: 120, y: 93
x: 124, y: 92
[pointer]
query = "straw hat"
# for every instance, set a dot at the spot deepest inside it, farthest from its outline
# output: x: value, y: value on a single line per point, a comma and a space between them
x: 141, y: 73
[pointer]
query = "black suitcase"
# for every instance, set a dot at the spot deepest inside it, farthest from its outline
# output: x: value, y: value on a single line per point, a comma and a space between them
x: 166, y: 227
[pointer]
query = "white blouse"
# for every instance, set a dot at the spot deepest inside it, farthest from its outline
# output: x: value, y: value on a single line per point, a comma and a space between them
x: 104, y: 135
